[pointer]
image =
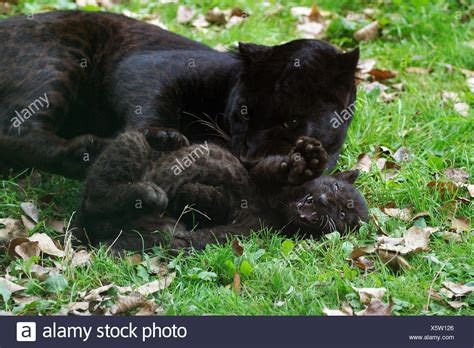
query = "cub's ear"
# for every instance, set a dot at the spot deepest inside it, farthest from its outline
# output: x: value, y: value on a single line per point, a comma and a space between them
x: 348, y: 61
x: 252, y: 52
x: 349, y: 176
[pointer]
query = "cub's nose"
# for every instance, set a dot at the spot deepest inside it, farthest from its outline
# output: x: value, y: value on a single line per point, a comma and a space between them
x: 323, y: 199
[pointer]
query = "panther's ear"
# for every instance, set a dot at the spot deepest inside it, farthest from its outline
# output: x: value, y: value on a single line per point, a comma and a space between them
x: 348, y: 61
x: 252, y: 52
x: 349, y: 176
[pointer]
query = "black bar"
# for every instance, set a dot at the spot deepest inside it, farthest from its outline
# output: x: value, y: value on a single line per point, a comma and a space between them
x: 246, y: 331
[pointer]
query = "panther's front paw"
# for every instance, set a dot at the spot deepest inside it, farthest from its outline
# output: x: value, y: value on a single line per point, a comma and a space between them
x: 164, y: 139
x: 306, y: 161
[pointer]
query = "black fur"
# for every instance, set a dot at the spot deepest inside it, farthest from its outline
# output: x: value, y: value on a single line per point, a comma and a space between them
x: 104, y: 73
x: 134, y: 187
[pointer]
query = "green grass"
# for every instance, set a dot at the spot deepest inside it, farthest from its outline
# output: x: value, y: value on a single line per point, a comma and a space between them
x: 314, y: 274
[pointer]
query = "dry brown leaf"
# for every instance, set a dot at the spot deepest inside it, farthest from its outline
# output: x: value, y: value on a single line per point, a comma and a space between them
x: 27, y: 250
x: 364, y: 263
x: 31, y: 210
x: 450, y: 236
x: 56, y: 225
x: 377, y: 307
x: 368, y: 32
x: 79, y: 308
x: 443, y: 188
x: 125, y: 304
x: 10, y: 286
x: 432, y: 294
x: 156, y: 266
x: 236, y: 283
x: 418, y: 70
x: 456, y: 304
x: 134, y: 259
x: 458, y: 176
x: 401, y: 155
x: 310, y: 30
x: 345, y: 311
x: 237, y: 248
x: 394, y: 261
x: 458, y: 290
x: 149, y: 308
x: 381, y: 75
x: 446, y: 293
x: 462, y: 109
x: 156, y: 285
x: 366, y: 65
x: 414, y: 240
x: 12, y: 229
x: 367, y: 295
x: 41, y: 273
x: 404, y: 214
x: 450, y: 96
x: 300, y: 11
x: 184, y: 14
x: 80, y: 258
x: 363, y: 163
x: 216, y: 16
x: 460, y: 224
x: 200, y: 22
x: 470, y: 83
x: 470, y: 188
x: 28, y: 223
x: 46, y: 244
x: 96, y: 294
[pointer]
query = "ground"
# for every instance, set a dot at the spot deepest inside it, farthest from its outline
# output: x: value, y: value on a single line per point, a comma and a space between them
x: 279, y: 276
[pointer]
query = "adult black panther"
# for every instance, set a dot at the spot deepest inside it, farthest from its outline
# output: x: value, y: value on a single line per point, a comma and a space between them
x: 70, y: 81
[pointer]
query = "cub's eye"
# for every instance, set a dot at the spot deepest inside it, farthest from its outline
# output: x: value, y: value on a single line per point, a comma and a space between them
x: 342, y: 215
x: 290, y: 124
x: 309, y: 200
x: 335, y: 187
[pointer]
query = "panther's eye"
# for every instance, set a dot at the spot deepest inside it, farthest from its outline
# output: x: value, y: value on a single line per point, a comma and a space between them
x: 335, y: 187
x: 290, y: 124
x: 342, y: 215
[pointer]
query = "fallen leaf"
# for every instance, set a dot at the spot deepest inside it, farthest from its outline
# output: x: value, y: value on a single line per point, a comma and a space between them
x: 369, y: 87
x: 78, y: 308
x: 381, y: 75
x: 443, y: 188
x: 149, y: 308
x: 46, y: 244
x: 363, y: 163
x: 450, y: 96
x: 134, y: 259
x: 28, y: 223
x: 11, y: 229
x: 157, y: 22
x: 156, y: 285
x: 418, y: 70
x: 216, y: 16
x: 368, y: 32
x: 404, y: 214
x: 377, y: 307
x: 393, y: 260
x: 367, y: 295
x: 401, y: 155
x: 156, y: 266
x: 361, y: 251
x: 460, y: 224
x: 95, y: 294
x: 300, y: 11
x: 200, y: 22
x: 470, y: 188
x: 80, y: 258
x: 55, y: 225
x: 462, y: 109
x: 27, y: 250
x: 126, y: 303
x: 39, y: 272
x: 364, y: 263
x: 434, y: 295
x: 450, y: 236
x: 31, y: 210
x: 470, y: 83
x: 458, y: 290
x: 346, y: 310
x: 310, y: 29
x: 184, y: 14
x: 456, y: 304
x: 237, y: 248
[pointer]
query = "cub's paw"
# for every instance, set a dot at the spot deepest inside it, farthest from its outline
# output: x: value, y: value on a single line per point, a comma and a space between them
x: 149, y: 196
x: 164, y: 139
x: 81, y: 152
x: 186, y: 241
x: 306, y: 161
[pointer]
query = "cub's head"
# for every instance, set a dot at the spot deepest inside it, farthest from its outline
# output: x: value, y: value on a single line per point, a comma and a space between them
x: 286, y: 91
x: 331, y: 203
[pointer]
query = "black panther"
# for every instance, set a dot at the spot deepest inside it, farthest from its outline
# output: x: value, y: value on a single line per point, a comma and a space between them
x: 72, y: 81
x: 137, y: 196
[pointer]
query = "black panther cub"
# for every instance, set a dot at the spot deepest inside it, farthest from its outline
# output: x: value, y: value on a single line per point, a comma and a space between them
x: 134, y: 187
x: 70, y: 81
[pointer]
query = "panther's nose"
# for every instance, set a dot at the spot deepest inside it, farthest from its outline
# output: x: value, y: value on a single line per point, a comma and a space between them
x: 323, y: 199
